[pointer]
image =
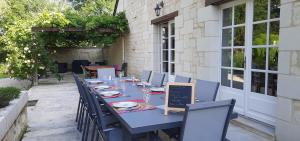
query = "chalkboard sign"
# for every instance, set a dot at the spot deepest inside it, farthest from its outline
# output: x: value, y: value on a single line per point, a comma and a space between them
x: 178, y: 95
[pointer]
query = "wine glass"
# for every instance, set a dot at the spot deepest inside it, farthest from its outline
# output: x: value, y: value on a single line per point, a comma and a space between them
x: 146, y: 98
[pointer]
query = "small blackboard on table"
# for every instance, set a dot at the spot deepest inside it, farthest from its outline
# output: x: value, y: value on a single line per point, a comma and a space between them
x: 178, y: 95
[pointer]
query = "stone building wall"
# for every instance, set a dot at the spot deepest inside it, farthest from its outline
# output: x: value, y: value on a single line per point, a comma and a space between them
x: 197, y: 48
x: 288, y: 123
x: 196, y: 41
x: 67, y: 55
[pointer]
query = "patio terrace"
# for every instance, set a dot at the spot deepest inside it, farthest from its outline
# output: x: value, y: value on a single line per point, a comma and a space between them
x: 53, y: 116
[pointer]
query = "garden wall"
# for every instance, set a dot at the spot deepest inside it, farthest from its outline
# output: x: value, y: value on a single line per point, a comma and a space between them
x: 13, y: 119
x: 67, y: 55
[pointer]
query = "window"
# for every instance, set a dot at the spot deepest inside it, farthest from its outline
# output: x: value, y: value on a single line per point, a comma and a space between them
x: 265, y: 37
x: 168, y: 47
x: 255, y: 37
x: 233, y: 47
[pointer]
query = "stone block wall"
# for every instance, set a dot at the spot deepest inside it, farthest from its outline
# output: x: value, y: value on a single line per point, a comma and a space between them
x: 288, y: 123
x: 67, y: 55
x: 196, y: 51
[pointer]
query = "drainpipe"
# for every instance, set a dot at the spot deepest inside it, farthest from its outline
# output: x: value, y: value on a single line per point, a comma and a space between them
x: 123, y: 48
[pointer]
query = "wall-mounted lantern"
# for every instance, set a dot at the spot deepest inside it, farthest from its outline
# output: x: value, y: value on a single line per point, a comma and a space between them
x: 158, y: 7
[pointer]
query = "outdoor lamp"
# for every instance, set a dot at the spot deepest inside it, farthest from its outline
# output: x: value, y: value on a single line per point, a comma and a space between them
x: 158, y: 7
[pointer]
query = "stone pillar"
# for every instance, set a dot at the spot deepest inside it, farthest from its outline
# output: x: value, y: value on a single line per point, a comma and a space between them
x: 288, y: 110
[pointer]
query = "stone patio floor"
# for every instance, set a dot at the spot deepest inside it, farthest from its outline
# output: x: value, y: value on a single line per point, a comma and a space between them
x: 53, y: 117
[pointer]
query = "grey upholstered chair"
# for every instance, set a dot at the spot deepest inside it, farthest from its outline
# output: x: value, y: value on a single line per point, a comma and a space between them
x: 182, y: 79
x: 157, y: 79
x: 207, y: 121
x: 206, y: 90
x: 166, y: 79
x: 106, y: 72
x: 146, y: 75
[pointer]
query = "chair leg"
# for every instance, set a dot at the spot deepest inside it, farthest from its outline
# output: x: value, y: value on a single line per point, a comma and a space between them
x: 87, y: 129
x: 84, y: 126
x: 93, y: 131
x: 81, y: 117
x: 78, y: 108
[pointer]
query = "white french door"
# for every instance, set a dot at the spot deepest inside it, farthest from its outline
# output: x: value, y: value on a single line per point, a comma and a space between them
x: 249, y: 46
x: 168, y: 49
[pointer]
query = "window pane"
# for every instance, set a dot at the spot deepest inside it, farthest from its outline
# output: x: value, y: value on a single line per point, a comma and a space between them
x: 173, y: 29
x: 165, y: 67
x: 238, y: 58
x: 259, y: 58
x: 259, y: 34
x: 165, y: 55
x: 172, y: 69
x: 272, y: 85
x: 172, y: 55
x: 227, y: 17
x: 258, y: 82
x: 274, y: 33
x: 165, y: 44
x: 275, y: 10
x: 173, y: 42
x: 225, y: 77
x: 239, y: 36
x: 165, y: 31
x: 226, y: 57
x: 238, y: 79
x: 273, y: 59
x: 239, y: 14
x: 226, y: 37
x: 260, y: 10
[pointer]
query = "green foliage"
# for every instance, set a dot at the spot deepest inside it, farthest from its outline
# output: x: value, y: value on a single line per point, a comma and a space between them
x: 25, y: 53
x: 3, y: 71
x: 7, y: 94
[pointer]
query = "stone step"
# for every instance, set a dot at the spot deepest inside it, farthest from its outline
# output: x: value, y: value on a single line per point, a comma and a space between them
x: 257, y: 127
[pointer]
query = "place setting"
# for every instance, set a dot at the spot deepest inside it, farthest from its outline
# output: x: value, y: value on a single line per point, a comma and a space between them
x: 136, y: 105
x: 110, y: 94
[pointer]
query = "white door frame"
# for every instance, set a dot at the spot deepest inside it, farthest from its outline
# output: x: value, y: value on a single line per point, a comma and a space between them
x: 170, y: 76
x: 258, y: 106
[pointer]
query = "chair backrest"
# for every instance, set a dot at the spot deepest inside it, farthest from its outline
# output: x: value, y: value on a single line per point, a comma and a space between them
x: 79, y: 86
x: 207, y: 121
x: 146, y: 74
x: 157, y: 79
x: 206, y: 90
x: 94, y: 104
x: 182, y: 79
x: 106, y: 72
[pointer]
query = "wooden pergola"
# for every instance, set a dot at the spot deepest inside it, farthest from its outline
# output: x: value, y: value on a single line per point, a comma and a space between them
x: 71, y: 29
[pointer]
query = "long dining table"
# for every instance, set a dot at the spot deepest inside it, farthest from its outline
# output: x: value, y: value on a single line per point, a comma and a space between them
x: 139, y: 122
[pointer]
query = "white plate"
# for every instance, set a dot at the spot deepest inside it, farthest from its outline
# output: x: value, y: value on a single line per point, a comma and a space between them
x: 125, y: 104
x: 109, y: 93
x: 95, y: 81
x: 101, y: 87
x: 157, y: 89
x: 130, y: 79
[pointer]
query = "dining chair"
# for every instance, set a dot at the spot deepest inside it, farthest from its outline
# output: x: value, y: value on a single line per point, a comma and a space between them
x: 82, y: 103
x: 182, y: 79
x: 104, y: 73
x: 100, y: 128
x: 206, y: 90
x: 157, y: 79
x: 145, y: 76
x: 166, y: 79
x: 207, y: 121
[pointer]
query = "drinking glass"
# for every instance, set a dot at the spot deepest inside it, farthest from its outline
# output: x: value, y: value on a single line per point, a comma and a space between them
x: 123, y: 87
x: 146, y: 98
